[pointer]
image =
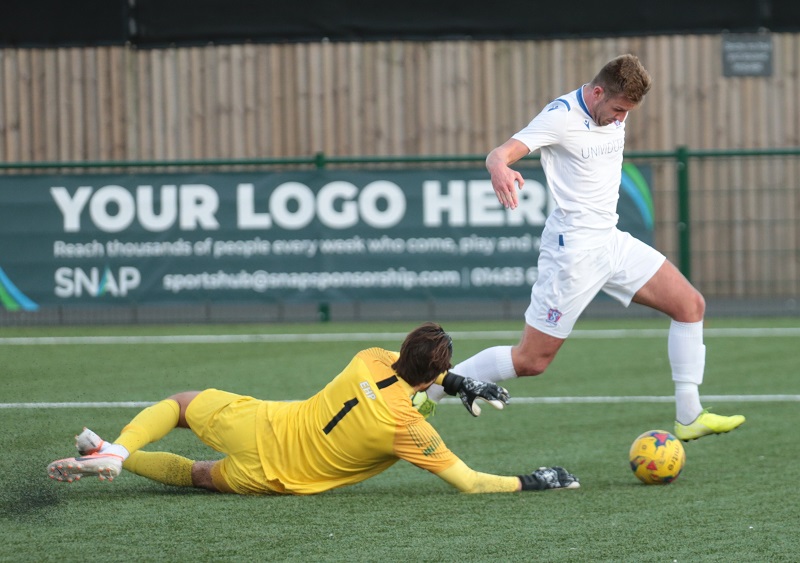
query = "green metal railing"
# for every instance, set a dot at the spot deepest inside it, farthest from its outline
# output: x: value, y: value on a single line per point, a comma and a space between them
x: 682, y: 155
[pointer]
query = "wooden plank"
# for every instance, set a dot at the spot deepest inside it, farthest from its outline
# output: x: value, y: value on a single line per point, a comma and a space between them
x: 314, y: 101
x: 25, y: 109
x: 294, y: 118
x: 103, y: 109
x: 77, y: 136
x: 131, y: 107
x: 120, y: 94
x: 157, y: 127
x: 393, y: 101
x: 250, y: 109
x: 11, y: 124
x: 462, y: 142
x: 39, y: 125
x: 277, y: 114
x: 181, y: 107
x: 172, y: 88
x: 223, y: 108
x: 211, y: 112
x: 90, y: 102
x: 198, y: 122
x: 410, y: 108
x: 264, y: 99
x: 236, y: 100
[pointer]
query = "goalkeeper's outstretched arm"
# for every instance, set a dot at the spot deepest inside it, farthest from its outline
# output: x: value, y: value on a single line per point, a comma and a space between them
x: 468, y: 480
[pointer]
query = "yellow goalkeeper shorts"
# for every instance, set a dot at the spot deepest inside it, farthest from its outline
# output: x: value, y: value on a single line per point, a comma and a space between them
x: 227, y: 422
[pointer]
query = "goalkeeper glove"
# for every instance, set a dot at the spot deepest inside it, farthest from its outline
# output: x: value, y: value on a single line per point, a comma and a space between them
x: 549, y: 478
x: 471, y: 389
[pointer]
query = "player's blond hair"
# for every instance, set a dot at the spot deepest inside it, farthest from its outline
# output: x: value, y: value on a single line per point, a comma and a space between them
x: 625, y: 76
x: 425, y: 353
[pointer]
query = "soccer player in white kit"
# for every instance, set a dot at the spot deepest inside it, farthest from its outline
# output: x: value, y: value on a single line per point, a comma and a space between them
x: 581, y: 136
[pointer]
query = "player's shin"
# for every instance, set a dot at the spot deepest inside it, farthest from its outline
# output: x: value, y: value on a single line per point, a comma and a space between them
x: 150, y: 425
x: 163, y: 467
x: 687, y: 357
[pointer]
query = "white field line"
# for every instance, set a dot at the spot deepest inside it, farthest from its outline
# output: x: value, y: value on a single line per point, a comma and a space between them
x: 507, y: 335
x: 453, y: 401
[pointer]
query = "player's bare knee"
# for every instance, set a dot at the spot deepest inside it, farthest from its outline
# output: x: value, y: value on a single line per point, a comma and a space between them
x: 201, y: 475
x: 525, y: 366
x: 183, y: 399
x: 692, y: 309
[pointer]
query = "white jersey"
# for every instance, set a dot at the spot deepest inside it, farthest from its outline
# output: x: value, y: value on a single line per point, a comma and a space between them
x: 582, y: 162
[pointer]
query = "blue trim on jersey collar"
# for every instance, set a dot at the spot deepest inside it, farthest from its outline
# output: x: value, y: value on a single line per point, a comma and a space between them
x: 579, y: 95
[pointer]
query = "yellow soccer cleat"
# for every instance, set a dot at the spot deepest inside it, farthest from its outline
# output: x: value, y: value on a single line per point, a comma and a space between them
x: 707, y: 423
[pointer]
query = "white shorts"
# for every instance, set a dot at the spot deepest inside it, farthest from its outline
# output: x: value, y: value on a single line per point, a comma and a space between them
x: 569, y: 278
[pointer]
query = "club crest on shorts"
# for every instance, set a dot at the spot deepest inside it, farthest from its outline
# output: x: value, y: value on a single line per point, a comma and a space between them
x: 553, y: 316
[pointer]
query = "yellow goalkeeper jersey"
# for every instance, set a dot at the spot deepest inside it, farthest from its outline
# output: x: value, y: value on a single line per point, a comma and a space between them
x: 360, y: 424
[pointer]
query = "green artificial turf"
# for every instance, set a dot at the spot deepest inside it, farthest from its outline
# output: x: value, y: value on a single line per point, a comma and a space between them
x: 734, y: 501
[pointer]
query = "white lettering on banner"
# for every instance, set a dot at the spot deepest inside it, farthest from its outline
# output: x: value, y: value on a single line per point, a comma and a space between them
x: 199, y: 204
x: 484, y: 208
x: 261, y: 281
x: 395, y: 204
x: 525, y: 243
x: 327, y: 199
x: 92, y: 249
x: 242, y: 248
x: 119, y: 249
x: 246, y: 216
x: 434, y: 245
x: 116, y: 197
x: 481, y: 277
x: 535, y: 204
x: 386, y: 245
x: 303, y: 199
x: 435, y: 203
x: 294, y: 206
x: 355, y: 245
x: 146, y: 208
x: 113, y: 209
x: 338, y: 205
x: 475, y: 203
x: 474, y: 244
x: 300, y: 247
x: 308, y: 248
x: 73, y: 282
x: 71, y: 207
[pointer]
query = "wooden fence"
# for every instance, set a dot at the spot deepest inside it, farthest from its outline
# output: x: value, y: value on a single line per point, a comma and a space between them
x: 424, y: 98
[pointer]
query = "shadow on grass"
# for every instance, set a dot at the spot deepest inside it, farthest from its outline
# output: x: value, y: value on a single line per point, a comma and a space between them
x: 27, y: 497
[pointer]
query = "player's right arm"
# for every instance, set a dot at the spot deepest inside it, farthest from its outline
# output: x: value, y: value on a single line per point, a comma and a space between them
x: 420, y: 444
x: 545, y: 129
x: 467, y: 480
x: 505, y: 180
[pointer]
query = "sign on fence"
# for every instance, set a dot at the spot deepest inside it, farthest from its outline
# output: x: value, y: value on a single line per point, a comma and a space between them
x: 277, y: 237
x: 747, y: 54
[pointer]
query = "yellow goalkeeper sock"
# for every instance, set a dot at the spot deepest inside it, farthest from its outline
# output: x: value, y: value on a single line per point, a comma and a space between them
x: 150, y: 425
x: 164, y: 467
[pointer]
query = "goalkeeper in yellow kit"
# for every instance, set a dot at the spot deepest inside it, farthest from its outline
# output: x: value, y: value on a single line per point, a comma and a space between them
x: 359, y: 425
